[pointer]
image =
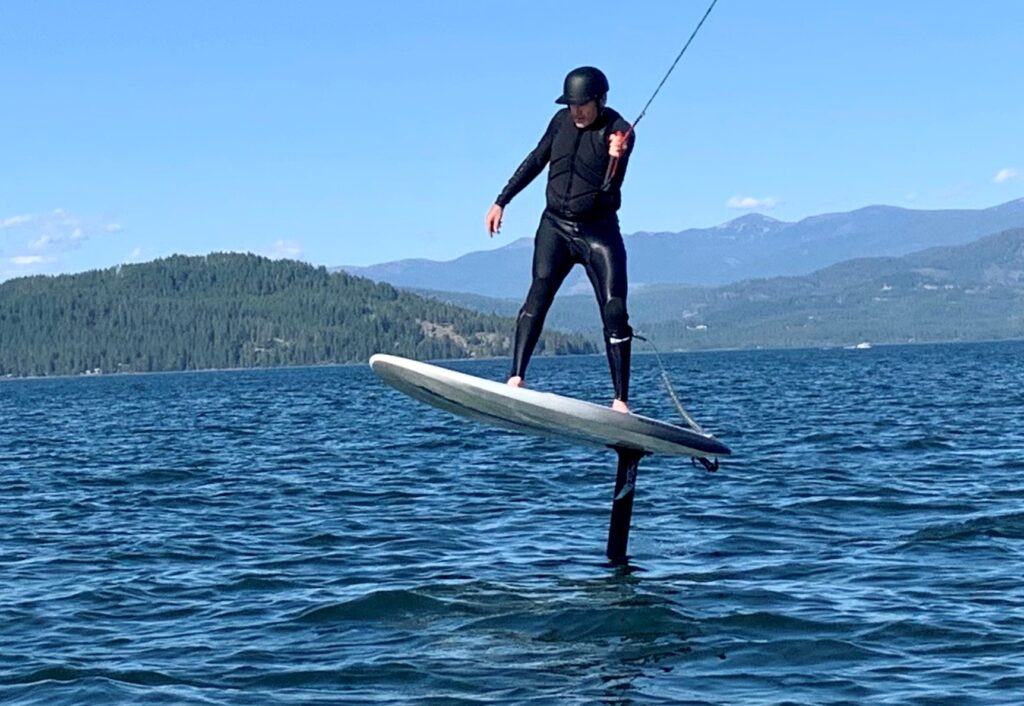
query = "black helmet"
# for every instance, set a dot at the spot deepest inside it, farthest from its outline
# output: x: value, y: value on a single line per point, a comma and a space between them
x: 583, y: 85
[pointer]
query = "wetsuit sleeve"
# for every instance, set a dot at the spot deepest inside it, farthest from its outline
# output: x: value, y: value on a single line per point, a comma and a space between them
x: 620, y: 172
x: 532, y: 166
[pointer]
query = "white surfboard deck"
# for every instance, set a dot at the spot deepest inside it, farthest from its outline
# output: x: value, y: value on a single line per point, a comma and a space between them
x: 540, y: 413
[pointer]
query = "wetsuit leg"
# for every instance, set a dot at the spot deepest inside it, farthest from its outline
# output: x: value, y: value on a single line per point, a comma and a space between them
x: 552, y: 260
x: 606, y: 268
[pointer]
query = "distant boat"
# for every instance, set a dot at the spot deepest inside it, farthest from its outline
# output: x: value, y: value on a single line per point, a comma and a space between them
x: 862, y: 346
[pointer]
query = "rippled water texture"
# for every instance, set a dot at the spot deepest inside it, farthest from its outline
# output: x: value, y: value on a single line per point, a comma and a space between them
x: 309, y: 536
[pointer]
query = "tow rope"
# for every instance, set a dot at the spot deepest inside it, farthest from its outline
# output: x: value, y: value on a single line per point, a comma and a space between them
x: 613, y: 164
x: 709, y: 464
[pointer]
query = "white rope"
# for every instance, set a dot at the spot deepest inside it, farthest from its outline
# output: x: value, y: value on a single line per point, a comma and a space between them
x: 671, y: 391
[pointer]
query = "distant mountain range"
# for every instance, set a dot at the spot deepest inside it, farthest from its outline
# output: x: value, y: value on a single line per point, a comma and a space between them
x: 230, y: 310
x: 966, y: 292
x: 752, y: 246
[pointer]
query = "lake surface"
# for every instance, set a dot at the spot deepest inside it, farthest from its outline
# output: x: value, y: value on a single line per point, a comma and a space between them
x: 309, y: 536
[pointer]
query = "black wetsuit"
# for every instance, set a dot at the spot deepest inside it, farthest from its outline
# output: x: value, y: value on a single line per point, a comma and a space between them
x: 579, y: 225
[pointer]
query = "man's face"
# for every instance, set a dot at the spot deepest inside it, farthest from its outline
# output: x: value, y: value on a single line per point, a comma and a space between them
x: 584, y: 115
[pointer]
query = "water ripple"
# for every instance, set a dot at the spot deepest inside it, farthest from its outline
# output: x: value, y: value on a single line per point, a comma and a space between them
x: 310, y: 536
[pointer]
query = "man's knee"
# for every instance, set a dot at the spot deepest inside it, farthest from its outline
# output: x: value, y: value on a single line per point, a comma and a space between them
x: 542, y: 293
x: 616, y: 320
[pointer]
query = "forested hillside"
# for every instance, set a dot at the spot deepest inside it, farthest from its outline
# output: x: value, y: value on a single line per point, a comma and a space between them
x: 231, y: 310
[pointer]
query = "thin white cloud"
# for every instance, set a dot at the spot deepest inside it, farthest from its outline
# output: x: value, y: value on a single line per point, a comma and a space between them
x: 49, y: 238
x: 749, y: 202
x: 25, y: 260
x: 912, y: 196
x: 285, y: 249
x: 15, y: 221
x: 134, y: 256
x: 58, y: 230
x: 1006, y: 174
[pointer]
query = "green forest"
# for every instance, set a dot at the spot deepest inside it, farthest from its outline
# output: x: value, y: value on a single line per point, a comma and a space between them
x: 228, y: 310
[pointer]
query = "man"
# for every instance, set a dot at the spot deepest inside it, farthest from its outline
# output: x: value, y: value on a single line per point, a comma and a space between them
x: 579, y: 224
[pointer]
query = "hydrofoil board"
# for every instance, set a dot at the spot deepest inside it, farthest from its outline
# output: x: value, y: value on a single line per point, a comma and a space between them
x: 540, y: 413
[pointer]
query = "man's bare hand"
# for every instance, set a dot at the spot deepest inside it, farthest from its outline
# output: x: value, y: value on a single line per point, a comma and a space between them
x: 617, y: 144
x: 493, y: 220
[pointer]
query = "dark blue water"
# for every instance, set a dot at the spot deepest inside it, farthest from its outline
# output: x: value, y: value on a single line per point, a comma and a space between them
x: 309, y: 536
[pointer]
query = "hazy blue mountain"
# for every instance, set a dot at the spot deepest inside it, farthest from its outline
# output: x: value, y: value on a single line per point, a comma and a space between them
x: 748, y: 247
x: 965, y: 292
x: 498, y: 272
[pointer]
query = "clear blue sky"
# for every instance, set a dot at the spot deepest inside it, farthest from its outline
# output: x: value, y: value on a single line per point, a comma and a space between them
x: 344, y: 133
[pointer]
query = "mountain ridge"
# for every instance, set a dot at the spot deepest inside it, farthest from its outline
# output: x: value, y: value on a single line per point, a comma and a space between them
x: 750, y: 246
x: 965, y: 292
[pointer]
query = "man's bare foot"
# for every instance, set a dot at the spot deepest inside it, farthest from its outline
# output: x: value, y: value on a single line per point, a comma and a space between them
x: 516, y: 381
x: 620, y: 406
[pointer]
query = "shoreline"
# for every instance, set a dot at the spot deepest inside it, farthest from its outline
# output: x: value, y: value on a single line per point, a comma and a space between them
x: 636, y: 353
